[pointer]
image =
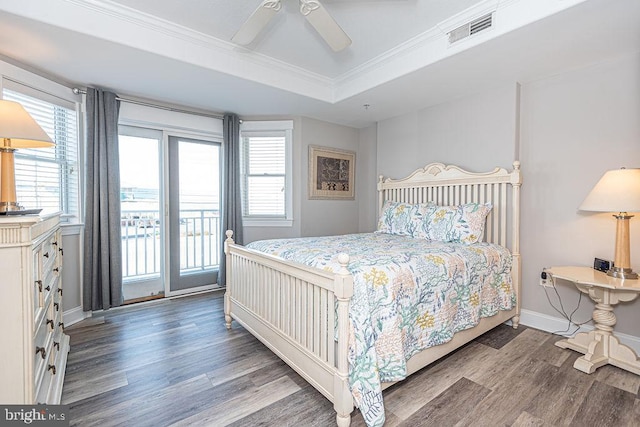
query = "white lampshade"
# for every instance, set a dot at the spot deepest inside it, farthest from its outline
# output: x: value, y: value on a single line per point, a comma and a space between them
x: 19, y: 129
x: 617, y: 191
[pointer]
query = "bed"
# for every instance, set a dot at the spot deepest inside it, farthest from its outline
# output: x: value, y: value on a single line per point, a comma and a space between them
x: 308, y: 309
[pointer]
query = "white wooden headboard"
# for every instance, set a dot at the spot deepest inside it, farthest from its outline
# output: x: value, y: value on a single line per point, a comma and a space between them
x: 450, y: 185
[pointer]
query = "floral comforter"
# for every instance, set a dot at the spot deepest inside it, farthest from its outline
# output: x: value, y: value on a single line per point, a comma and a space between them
x: 409, y: 294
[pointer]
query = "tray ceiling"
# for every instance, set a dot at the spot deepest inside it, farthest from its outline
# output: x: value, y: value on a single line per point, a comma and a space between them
x: 400, y: 59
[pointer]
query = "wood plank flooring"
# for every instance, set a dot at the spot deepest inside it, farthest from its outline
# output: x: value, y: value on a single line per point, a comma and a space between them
x: 173, y: 363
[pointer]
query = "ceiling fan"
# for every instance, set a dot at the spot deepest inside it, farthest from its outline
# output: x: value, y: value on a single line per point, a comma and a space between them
x: 312, y: 10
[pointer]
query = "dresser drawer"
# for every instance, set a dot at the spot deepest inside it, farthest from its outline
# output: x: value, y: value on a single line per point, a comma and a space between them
x: 42, y: 348
x: 47, y: 292
x: 57, y: 244
x: 57, y: 312
x: 49, y: 284
x: 49, y: 254
x: 43, y: 339
x: 46, y: 269
x: 50, y: 370
x: 38, y: 287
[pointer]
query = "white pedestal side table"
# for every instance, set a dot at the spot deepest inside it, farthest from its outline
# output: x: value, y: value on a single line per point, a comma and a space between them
x: 600, y: 346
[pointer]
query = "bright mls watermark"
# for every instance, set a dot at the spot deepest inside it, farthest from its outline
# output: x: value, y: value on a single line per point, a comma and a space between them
x: 37, y: 415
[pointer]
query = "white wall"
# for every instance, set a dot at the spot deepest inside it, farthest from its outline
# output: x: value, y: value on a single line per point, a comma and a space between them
x: 575, y: 127
x: 72, y: 273
x: 327, y: 217
x: 567, y: 130
x: 366, y: 179
x: 477, y: 133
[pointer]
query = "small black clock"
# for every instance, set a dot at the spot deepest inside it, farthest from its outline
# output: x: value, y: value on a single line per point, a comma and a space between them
x: 602, y: 264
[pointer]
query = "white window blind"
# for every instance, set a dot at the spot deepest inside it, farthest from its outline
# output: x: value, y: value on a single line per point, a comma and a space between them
x: 47, y: 178
x: 267, y: 173
x: 264, y: 175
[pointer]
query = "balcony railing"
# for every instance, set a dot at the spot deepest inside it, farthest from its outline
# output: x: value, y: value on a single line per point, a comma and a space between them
x: 199, y: 242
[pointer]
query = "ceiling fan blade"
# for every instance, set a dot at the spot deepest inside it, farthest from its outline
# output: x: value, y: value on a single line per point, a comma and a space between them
x: 256, y: 22
x: 324, y: 24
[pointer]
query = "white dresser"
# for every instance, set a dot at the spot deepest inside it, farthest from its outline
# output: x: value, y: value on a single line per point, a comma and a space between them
x: 33, y: 346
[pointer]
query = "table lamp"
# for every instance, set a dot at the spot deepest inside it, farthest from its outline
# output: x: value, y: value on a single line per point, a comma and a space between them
x: 617, y: 191
x: 17, y: 130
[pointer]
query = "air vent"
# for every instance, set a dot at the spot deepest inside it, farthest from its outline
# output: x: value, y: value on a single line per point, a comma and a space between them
x: 462, y: 32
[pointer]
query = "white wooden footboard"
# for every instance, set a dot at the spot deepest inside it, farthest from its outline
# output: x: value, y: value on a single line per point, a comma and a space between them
x: 291, y: 309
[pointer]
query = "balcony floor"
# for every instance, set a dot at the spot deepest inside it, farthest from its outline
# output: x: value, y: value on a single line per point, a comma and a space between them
x: 137, y: 290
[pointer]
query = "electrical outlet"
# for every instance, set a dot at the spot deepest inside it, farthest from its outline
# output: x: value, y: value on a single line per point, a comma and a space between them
x: 546, y: 283
x: 545, y: 280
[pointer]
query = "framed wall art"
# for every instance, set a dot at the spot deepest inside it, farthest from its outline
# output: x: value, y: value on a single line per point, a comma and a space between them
x: 331, y: 173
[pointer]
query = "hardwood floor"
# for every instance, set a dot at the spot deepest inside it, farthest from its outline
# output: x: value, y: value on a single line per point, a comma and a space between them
x: 173, y: 363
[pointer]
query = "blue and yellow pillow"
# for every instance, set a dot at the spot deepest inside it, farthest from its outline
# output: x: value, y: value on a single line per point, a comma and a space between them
x: 396, y: 218
x: 458, y: 224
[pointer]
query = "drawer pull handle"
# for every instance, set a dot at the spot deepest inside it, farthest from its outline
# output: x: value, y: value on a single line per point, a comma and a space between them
x: 57, y: 306
x: 55, y: 243
x: 61, y: 324
x: 60, y: 291
x: 50, y: 323
x: 57, y: 269
x: 48, y: 288
x: 46, y: 255
x: 52, y: 368
x: 42, y: 351
x: 56, y: 345
x: 39, y: 283
x: 61, y: 251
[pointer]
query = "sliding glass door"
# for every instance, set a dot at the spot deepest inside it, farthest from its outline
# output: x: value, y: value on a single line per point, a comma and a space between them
x: 169, y: 198
x: 194, y: 212
x: 141, y: 215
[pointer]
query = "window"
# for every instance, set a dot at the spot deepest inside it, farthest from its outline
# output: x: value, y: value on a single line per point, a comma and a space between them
x: 266, y: 173
x: 47, y: 178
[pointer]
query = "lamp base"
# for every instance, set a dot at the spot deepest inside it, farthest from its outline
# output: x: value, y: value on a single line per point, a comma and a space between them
x: 13, y: 208
x: 622, y: 273
x: 10, y: 207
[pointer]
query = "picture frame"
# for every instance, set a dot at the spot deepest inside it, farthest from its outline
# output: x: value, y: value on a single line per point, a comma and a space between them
x: 331, y: 173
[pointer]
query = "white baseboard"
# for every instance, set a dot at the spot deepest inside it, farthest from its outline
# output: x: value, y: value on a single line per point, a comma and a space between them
x: 553, y: 324
x: 75, y: 315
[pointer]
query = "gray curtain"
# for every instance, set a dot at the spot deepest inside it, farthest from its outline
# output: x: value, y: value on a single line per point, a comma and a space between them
x: 102, y: 286
x: 231, y: 214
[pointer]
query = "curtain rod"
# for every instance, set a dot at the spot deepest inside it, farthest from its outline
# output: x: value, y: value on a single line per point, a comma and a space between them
x: 78, y: 91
